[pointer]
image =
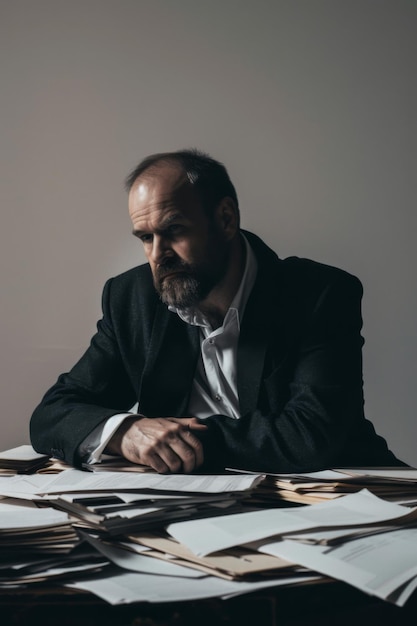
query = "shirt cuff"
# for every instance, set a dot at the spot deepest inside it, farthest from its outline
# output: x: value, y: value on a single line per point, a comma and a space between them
x: 92, y: 447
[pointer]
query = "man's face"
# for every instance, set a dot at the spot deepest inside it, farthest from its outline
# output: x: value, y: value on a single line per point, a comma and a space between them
x: 184, y: 246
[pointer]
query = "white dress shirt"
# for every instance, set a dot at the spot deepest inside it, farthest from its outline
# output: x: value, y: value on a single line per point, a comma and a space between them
x: 214, y: 388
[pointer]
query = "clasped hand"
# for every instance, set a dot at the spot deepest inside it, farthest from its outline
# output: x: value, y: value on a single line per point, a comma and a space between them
x: 167, y: 444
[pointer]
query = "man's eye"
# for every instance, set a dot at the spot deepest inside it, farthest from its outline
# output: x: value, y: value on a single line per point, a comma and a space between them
x: 145, y: 238
x: 175, y: 229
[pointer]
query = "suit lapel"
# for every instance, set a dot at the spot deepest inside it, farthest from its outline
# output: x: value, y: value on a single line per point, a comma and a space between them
x: 265, y: 330
x: 252, y: 348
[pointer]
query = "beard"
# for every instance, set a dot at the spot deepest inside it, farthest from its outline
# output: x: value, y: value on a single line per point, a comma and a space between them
x: 189, y: 285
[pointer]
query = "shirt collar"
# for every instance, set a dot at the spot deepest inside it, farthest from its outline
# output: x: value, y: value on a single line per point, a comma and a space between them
x: 194, y: 316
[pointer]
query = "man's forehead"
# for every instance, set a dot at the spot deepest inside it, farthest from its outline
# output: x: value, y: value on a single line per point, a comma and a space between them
x: 163, y: 186
x: 164, y: 176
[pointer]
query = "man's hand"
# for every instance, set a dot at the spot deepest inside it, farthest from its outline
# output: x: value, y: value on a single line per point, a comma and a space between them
x: 167, y: 444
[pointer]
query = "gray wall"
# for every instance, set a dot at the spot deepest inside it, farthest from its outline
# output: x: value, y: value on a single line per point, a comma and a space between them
x: 310, y: 103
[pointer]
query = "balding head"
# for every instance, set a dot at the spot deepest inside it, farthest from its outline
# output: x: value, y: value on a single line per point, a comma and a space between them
x: 208, y: 177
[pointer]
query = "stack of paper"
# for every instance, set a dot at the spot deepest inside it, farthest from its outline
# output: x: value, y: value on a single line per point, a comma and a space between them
x: 21, y: 460
x: 359, y: 538
x: 88, y: 543
x: 126, y: 512
x: 39, y: 544
x: 392, y: 484
x: 117, y: 503
x: 136, y: 536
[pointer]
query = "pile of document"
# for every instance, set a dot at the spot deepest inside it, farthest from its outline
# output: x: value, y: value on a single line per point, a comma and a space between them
x: 140, y: 536
x: 22, y: 460
x: 106, y: 533
x: 392, y: 484
x: 39, y: 545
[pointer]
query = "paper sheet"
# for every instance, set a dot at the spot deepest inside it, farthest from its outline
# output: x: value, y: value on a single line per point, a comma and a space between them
x: 125, y: 588
x: 204, y: 536
x: 76, y: 480
x: 378, y: 565
x: 21, y: 518
x: 138, y: 562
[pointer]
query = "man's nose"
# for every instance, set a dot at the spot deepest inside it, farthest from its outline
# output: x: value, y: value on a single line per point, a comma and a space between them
x: 161, y: 249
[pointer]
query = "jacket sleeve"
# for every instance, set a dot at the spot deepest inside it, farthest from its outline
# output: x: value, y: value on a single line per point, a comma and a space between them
x: 96, y: 388
x: 310, y: 406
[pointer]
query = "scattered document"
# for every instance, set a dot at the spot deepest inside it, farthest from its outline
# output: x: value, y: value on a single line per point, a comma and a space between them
x: 234, y: 564
x: 204, y: 536
x: 132, y: 536
x: 14, y: 517
x: 126, y: 588
x: 378, y: 565
x: 76, y: 480
x: 126, y: 559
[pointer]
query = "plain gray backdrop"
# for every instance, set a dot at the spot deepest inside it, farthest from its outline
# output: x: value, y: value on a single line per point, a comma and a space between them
x: 311, y: 104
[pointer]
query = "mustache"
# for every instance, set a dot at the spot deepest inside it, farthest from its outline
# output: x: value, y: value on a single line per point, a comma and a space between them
x: 172, y: 265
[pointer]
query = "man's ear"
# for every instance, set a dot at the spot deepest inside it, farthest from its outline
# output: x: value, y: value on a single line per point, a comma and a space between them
x: 227, y: 217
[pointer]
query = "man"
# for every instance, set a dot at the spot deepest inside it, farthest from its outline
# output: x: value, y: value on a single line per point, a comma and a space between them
x: 235, y: 357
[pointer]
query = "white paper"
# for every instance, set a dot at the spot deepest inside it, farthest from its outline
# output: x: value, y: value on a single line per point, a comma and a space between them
x: 24, y: 486
x: 130, y: 513
x: 321, y: 475
x: 378, y: 565
x: 408, y: 474
x: 401, y: 595
x: 130, y: 497
x: 21, y: 453
x: 76, y: 480
x: 20, y: 518
x: 332, y: 536
x: 204, y: 536
x: 126, y: 588
x: 139, y: 563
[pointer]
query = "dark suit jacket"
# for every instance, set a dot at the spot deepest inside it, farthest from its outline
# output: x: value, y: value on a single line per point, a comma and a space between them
x: 299, y: 372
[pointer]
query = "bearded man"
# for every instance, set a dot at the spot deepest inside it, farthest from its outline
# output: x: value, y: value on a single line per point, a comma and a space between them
x: 232, y: 356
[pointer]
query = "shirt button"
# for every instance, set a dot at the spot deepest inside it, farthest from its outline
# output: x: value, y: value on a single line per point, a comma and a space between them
x: 211, y: 341
x: 217, y: 397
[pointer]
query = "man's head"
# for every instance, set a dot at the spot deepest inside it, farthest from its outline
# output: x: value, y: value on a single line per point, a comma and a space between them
x: 184, y: 210
x: 208, y: 177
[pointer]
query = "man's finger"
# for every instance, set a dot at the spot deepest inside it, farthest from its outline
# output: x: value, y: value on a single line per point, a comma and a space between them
x: 158, y: 464
x: 190, y: 451
x: 170, y: 453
